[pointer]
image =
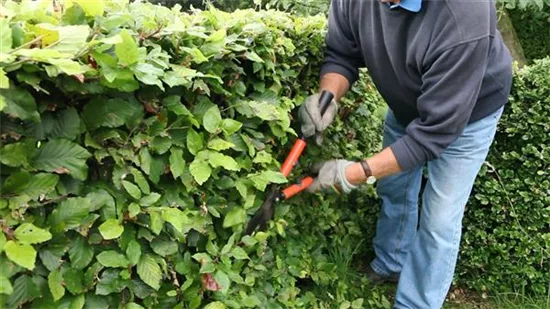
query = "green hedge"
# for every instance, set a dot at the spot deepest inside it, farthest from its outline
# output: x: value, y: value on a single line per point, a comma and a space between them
x: 506, y: 245
x: 533, y: 29
x: 136, y: 143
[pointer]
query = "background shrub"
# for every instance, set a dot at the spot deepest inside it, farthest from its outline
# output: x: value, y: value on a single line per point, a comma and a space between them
x: 506, y: 245
x: 533, y: 30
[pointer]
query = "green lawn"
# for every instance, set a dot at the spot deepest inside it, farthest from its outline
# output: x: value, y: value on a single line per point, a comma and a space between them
x: 503, y: 301
x: 514, y: 301
x: 458, y: 299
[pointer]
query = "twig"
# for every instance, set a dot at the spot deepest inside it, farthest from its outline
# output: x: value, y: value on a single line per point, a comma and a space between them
x: 6, y: 230
x: 177, y: 128
x: 233, y: 106
x: 38, y: 38
x: 86, y: 49
x: 130, y: 135
x: 16, y: 63
x: 145, y: 37
x: 55, y: 200
x: 173, y: 124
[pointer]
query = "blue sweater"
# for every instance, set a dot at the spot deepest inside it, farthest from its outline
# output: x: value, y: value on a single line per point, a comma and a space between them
x: 438, y: 69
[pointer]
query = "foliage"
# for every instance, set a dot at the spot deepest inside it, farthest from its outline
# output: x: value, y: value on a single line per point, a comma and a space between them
x: 525, y: 4
x: 303, y: 7
x: 136, y: 141
x: 506, y: 243
x: 533, y: 29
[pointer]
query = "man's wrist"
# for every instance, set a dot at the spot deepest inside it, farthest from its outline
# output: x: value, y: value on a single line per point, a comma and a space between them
x: 355, y: 174
x: 369, y: 174
x: 336, y: 83
x: 359, y: 173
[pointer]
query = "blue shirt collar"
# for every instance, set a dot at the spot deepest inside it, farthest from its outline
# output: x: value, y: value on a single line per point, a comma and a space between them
x: 410, y: 5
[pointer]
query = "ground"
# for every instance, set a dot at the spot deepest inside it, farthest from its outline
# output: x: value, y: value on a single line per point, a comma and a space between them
x: 463, y: 299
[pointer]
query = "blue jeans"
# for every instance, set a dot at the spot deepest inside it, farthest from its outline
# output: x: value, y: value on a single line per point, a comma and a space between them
x: 424, y: 253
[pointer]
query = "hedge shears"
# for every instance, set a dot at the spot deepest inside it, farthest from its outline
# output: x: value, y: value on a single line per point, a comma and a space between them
x: 274, y: 194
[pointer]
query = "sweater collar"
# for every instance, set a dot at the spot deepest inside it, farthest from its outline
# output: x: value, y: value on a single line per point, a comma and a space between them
x: 410, y: 5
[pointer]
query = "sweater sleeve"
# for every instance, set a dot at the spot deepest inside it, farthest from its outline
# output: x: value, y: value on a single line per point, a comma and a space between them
x: 450, y: 87
x: 342, y: 54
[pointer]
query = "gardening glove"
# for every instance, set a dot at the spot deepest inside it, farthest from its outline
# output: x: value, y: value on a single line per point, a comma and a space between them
x: 310, y: 117
x: 331, y: 175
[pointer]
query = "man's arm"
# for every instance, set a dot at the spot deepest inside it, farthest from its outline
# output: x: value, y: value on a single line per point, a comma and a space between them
x: 382, y: 164
x: 450, y: 88
x: 336, y: 83
x: 343, y: 56
x: 450, y: 91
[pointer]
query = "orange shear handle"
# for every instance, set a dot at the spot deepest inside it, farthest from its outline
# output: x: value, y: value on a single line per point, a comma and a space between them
x: 300, y: 144
x: 296, y: 152
x: 293, y: 157
x: 297, y: 188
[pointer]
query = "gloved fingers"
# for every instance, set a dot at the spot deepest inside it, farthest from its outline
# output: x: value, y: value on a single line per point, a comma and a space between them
x: 330, y: 176
x: 307, y: 124
x: 325, y: 177
x: 328, y: 116
x: 315, y: 186
x: 312, y: 121
x: 319, y: 138
x: 308, y: 129
x: 325, y: 171
x: 312, y: 109
x: 316, y: 168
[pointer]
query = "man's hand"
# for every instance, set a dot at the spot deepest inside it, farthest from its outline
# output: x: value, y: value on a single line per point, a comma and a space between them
x: 344, y: 176
x: 312, y: 121
x: 310, y: 115
x: 332, y: 175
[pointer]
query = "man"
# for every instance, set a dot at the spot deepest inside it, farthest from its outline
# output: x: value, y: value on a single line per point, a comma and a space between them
x: 445, y: 73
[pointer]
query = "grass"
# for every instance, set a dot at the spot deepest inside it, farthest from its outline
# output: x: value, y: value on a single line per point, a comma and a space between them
x: 524, y: 302
x: 501, y: 301
x: 461, y: 299
x: 349, y: 267
x: 515, y: 302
